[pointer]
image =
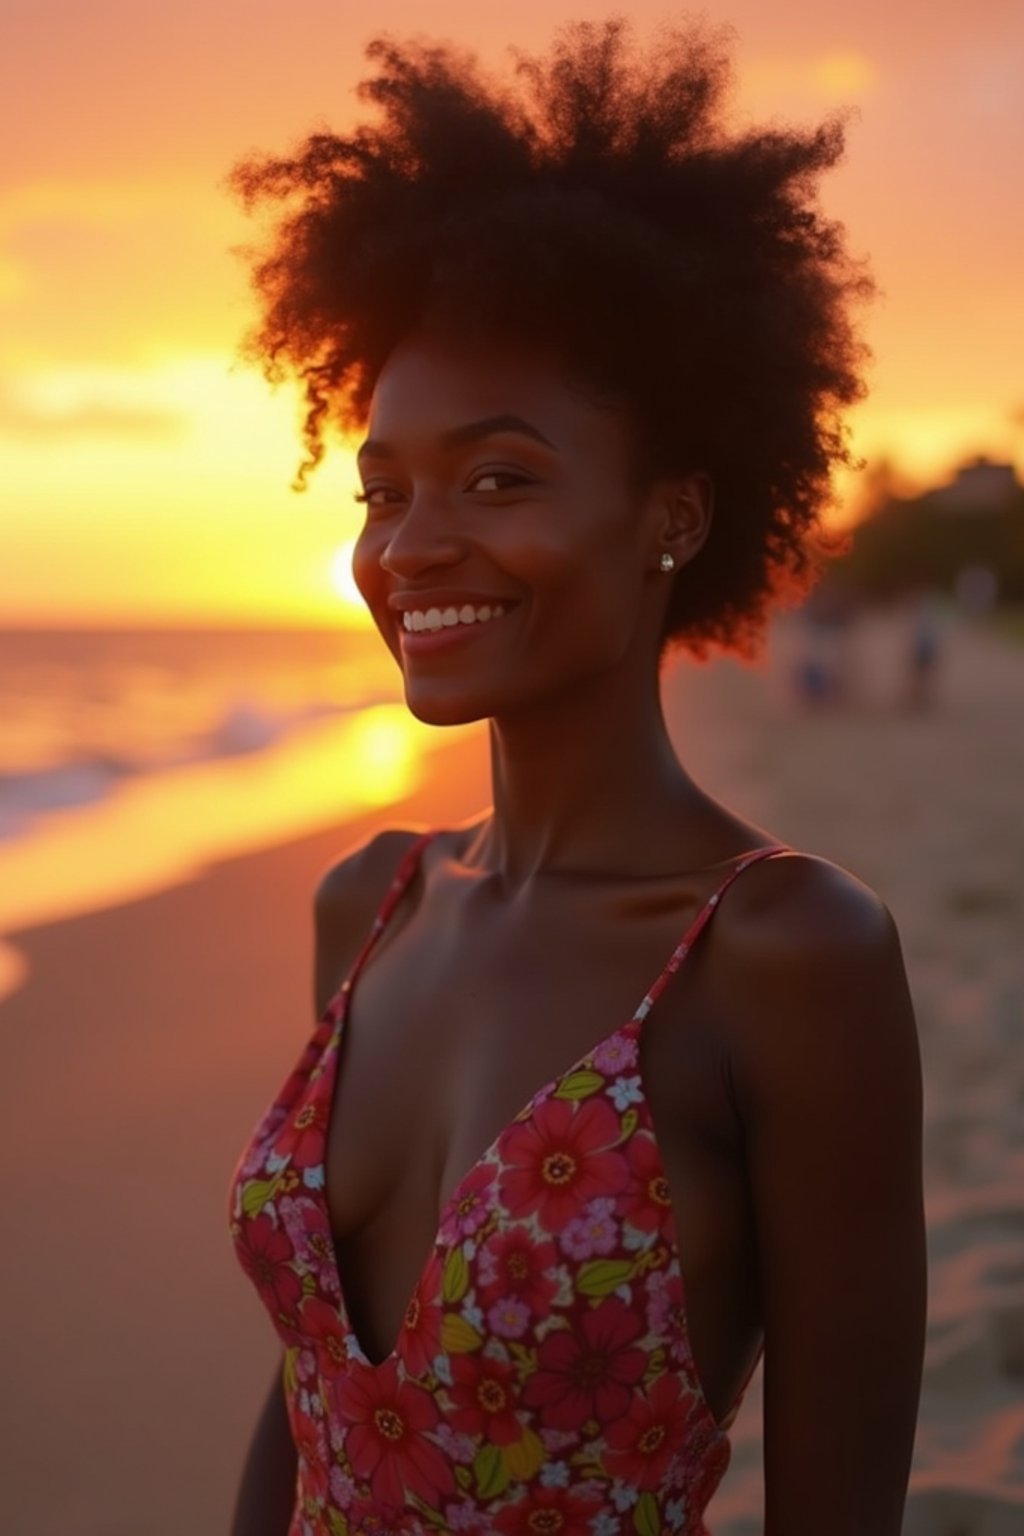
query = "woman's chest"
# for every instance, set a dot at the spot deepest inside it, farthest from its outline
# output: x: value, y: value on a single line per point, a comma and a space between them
x: 443, y: 1044
x: 437, y: 1059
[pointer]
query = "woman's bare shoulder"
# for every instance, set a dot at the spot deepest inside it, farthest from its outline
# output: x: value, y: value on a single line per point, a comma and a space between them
x: 355, y: 874
x: 365, y: 870
x: 799, y: 904
x: 807, y: 972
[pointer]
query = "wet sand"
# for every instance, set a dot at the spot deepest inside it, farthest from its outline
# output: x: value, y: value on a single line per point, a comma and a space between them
x: 147, y: 1039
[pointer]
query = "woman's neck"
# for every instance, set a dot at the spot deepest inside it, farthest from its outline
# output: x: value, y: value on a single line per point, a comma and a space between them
x: 587, y: 784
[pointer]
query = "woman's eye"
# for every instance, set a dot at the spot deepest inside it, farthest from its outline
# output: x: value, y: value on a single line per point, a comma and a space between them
x: 484, y: 481
x: 499, y: 474
x: 372, y: 496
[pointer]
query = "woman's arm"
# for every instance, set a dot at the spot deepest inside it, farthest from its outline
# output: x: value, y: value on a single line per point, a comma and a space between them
x: 827, y: 1076
x: 266, y: 1497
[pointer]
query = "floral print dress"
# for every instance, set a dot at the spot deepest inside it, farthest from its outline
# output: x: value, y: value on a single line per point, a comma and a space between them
x: 542, y: 1383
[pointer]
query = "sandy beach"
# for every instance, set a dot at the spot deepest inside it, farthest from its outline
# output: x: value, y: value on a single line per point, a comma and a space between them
x: 146, y: 1039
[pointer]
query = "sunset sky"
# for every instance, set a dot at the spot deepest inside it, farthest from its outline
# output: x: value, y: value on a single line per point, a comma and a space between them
x: 144, y: 472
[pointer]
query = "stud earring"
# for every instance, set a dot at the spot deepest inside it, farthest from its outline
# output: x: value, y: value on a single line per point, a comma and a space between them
x: 667, y: 561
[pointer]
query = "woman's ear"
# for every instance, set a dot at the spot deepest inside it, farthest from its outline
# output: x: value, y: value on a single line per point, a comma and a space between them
x: 685, y: 511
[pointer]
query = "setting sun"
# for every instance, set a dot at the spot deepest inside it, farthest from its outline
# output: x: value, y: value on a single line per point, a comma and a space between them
x: 342, y: 579
x: 147, y: 468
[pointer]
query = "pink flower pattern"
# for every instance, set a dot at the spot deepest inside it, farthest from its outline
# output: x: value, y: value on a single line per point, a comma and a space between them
x: 543, y: 1360
x: 595, y: 1232
x: 471, y: 1204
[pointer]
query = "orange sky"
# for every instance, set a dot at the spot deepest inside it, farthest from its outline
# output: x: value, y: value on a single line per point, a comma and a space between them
x: 145, y: 474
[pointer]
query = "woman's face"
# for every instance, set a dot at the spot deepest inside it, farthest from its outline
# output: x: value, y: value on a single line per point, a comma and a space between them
x: 491, y: 481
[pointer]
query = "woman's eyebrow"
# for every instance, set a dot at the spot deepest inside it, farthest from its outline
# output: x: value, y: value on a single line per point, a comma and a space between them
x: 470, y: 432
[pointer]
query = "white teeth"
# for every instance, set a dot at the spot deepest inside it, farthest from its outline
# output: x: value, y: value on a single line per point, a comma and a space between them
x: 445, y: 618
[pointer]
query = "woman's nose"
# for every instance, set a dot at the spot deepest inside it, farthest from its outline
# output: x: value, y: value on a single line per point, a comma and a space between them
x: 426, y: 535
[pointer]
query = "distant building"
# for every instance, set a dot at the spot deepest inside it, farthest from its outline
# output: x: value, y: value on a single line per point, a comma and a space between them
x: 965, y: 539
x: 980, y: 486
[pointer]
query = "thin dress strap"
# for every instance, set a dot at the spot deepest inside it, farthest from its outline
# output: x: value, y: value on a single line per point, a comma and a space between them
x: 404, y: 873
x: 692, y: 933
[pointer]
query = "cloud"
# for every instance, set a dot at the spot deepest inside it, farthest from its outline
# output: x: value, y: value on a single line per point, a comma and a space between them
x: 88, y: 418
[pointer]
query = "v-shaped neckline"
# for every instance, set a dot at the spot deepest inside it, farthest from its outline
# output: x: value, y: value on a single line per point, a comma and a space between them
x: 327, y: 1083
x: 544, y: 1091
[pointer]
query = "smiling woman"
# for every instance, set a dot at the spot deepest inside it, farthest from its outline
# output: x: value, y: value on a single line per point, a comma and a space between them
x: 601, y: 350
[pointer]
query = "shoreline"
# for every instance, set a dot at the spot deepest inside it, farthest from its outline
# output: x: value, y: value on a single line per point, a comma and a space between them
x: 150, y: 1035
x: 169, y: 829
x: 438, y: 782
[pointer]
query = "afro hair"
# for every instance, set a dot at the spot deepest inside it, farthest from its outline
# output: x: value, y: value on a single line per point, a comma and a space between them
x: 601, y: 205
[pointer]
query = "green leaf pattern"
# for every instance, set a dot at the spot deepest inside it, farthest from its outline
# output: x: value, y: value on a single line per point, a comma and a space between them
x: 609, y: 1283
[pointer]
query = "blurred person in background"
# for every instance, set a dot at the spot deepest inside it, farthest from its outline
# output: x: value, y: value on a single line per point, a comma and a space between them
x: 924, y: 648
x: 825, y: 669
x: 609, y: 1033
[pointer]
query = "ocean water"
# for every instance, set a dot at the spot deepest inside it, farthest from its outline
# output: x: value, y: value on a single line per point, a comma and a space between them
x: 82, y: 711
x: 129, y: 758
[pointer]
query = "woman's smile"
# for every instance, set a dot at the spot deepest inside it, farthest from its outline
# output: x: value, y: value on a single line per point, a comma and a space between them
x: 438, y: 629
